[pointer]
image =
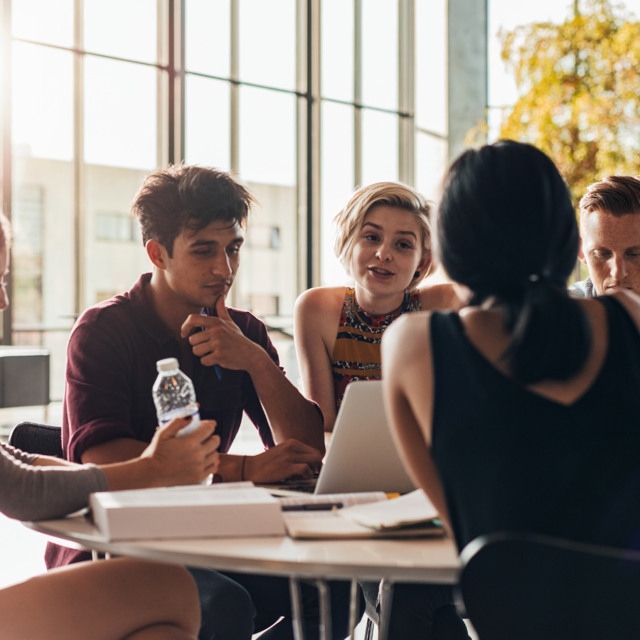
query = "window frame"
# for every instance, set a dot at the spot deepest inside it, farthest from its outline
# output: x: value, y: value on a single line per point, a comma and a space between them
x: 171, y: 78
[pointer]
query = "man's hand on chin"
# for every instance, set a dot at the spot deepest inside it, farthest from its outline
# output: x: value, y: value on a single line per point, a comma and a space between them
x: 220, y: 341
x: 289, y: 459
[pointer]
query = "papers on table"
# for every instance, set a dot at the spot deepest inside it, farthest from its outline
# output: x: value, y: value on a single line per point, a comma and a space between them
x: 412, y: 515
x: 328, y: 525
x: 344, y: 499
x: 240, y: 509
x: 409, y: 510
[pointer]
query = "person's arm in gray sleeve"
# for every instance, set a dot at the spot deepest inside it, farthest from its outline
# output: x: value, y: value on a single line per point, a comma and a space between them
x: 40, y: 493
x: 23, y: 456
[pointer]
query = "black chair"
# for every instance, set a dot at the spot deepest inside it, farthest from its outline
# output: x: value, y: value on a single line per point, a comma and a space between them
x: 531, y: 587
x: 37, y: 438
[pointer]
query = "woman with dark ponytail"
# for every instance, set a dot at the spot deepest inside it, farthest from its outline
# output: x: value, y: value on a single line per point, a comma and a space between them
x: 521, y: 412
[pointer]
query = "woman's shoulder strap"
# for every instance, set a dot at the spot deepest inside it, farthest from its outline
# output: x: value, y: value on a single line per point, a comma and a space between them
x: 412, y: 301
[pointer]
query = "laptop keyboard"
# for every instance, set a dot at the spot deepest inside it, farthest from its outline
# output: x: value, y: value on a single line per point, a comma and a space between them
x: 302, y: 486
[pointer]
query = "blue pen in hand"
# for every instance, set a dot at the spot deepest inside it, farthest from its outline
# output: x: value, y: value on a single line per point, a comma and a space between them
x: 216, y: 367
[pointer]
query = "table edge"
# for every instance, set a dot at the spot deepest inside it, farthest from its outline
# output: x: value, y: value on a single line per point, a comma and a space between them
x: 311, y: 570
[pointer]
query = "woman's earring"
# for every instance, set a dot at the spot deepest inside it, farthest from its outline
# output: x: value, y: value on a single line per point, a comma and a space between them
x: 416, y: 274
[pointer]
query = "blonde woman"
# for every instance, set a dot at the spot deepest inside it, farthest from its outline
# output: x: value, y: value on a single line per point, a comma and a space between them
x: 384, y: 242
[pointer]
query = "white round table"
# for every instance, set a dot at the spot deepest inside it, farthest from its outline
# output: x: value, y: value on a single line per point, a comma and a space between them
x: 430, y: 560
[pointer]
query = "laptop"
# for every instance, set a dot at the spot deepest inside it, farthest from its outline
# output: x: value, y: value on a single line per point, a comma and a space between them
x: 362, y: 455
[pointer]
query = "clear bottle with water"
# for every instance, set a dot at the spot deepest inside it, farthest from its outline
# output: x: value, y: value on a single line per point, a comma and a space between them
x: 174, y: 395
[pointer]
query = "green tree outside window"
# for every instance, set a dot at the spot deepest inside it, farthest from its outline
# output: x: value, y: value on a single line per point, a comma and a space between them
x: 579, y: 87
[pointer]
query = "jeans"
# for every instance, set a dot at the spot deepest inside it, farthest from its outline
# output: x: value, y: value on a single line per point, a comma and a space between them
x: 418, y: 612
x: 236, y: 605
x: 226, y: 607
x: 272, y: 600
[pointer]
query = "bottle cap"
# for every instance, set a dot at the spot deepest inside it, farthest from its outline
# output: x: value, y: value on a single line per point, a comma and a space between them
x: 168, y: 364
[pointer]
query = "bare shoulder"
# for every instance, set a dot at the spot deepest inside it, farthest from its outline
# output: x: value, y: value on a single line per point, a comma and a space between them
x: 409, y: 333
x: 320, y: 299
x: 319, y: 306
x: 439, y: 297
x: 408, y: 369
x: 317, y: 312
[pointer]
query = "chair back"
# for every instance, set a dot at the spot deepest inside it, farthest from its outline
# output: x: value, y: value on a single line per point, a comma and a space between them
x: 42, y: 439
x: 530, y: 587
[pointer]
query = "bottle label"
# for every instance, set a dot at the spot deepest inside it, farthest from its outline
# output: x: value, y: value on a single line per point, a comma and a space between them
x: 181, y: 413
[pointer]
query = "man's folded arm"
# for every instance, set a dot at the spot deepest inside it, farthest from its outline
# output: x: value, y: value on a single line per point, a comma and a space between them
x: 289, y: 413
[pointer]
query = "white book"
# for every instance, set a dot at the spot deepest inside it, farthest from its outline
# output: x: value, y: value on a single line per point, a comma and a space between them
x: 191, y: 512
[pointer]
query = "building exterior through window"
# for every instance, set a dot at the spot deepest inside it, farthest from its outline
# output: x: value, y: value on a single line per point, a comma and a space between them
x: 303, y: 99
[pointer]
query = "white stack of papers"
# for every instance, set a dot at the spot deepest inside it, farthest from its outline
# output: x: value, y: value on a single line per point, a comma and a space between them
x: 412, y: 515
x: 341, y: 499
x: 189, y: 512
x: 407, y: 511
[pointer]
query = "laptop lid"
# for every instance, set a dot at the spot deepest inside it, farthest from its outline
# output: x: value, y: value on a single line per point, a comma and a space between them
x: 362, y: 455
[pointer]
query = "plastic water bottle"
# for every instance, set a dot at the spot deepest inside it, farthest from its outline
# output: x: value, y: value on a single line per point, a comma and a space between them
x: 174, y: 395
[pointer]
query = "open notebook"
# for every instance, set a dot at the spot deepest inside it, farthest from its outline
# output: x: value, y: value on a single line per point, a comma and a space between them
x: 411, y: 515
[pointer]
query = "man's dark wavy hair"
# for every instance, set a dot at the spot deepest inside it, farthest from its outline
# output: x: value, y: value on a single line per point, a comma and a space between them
x: 188, y: 197
x: 507, y: 230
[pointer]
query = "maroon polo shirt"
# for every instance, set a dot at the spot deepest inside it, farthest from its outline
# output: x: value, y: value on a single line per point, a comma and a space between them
x: 111, y: 368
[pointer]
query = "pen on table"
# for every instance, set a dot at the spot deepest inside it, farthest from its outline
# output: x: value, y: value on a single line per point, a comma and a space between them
x: 327, y: 506
x: 216, y: 367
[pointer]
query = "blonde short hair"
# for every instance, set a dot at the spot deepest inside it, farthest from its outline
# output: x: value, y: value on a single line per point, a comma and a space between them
x: 393, y: 194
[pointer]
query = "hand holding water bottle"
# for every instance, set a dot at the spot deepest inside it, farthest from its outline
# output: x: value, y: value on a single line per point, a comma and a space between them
x: 169, y: 460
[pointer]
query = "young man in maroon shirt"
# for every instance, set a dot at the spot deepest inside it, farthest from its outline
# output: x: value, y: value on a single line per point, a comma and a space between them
x: 193, y: 221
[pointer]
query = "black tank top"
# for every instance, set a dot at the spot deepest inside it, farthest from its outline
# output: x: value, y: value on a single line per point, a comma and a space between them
x: 511, y: 460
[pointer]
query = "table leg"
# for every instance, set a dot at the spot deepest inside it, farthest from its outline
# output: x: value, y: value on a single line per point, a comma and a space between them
x: 325, y: 610
x: 368, y: 631
x: 296, y: 608
x: 353, y: 609
x: 386, y: 596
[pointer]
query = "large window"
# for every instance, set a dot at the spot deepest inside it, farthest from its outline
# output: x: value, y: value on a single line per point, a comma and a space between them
x: 384, y: 103
x: 303, y: 99
x: 504, y: 16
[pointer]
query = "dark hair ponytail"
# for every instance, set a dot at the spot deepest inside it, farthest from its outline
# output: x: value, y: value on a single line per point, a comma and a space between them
x: 507, y: 229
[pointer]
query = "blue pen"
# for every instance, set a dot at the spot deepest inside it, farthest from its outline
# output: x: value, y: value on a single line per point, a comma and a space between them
x: 216, y: 367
